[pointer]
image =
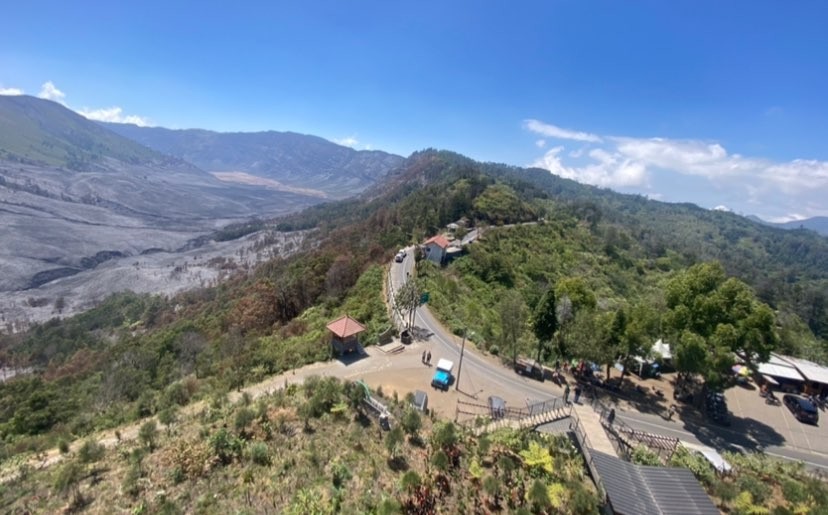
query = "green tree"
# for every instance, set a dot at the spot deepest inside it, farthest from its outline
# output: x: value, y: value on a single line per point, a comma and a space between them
x: 409, y: 481
x: 440, y: 460
x: 589, y: 337
x: 168, y: 417
x: 578, y: 291
x: 444, y: 436
x: 394, y: 441
x: 538, y: 496
x: 148, y: 434
x: 244, y: 416
x: 545, y: 321
x: 512, y: 320
x: 411, y: 422
x: 91, y: 451
x: 356, y: 393
x: 67, y: 479
x: 724, y: 314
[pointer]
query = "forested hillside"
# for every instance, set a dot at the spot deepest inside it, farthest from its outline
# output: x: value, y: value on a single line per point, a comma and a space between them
x: 139, y: 355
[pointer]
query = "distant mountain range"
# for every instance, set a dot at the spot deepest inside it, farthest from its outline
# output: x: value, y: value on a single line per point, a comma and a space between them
x: 817, y: 223
x: 74, y: 193
x: 279, y: 160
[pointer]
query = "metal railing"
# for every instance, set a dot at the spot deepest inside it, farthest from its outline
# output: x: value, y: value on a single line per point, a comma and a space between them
x: 532, y: 415
x: 583, y: 442
x: 622, y: 436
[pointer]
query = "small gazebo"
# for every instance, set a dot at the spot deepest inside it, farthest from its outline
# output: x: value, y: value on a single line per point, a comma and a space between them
x: 344, y: 333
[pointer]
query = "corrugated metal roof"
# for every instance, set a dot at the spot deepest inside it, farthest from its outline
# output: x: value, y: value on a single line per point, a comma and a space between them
x: 810, y: 370
x: 634, y: 489
x: 787, y: 372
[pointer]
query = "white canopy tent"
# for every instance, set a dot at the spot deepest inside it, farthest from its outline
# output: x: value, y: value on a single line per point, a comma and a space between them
x: 662, y: 348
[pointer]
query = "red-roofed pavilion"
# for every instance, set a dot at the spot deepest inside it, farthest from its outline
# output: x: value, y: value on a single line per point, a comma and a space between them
x: 344, y: 333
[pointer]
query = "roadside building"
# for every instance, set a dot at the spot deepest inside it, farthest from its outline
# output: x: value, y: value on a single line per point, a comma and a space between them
x: 815, y: 376
x: 436, y: 249
x: 779, y: 372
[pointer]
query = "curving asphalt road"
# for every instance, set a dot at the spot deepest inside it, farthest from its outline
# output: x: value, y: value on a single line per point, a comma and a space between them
x: 478, y: 375
x: 481, y: 376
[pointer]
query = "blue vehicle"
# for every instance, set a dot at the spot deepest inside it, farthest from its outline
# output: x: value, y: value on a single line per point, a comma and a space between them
x: 442, y: 377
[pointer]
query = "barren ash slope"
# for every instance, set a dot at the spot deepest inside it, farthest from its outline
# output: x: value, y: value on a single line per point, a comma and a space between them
x: 79, y: 204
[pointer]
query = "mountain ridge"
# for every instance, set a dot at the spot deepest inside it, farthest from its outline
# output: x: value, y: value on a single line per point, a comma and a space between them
x: 818, y: 224
x: 289, y: 158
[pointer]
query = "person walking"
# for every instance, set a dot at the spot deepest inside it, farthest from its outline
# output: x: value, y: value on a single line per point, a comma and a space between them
x: 423, y: 358
x: 577, y: 393
x: 566, y: 394
x: 428, y: 358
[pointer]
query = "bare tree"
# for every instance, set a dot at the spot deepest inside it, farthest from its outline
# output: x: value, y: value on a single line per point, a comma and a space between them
x: 407, y: 301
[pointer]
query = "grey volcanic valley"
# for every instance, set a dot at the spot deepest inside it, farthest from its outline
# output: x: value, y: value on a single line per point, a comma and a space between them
x: 80, y: 205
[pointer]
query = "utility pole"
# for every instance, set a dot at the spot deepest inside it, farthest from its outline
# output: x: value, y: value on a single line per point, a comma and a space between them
x: 460, y: 365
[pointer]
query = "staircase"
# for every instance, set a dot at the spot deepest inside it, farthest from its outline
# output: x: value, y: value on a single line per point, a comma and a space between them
x: 526, y: 422
x: 533, y: 415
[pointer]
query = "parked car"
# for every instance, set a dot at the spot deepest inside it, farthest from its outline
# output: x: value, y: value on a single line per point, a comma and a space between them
x: 530, y: 368
x: 442, y: 377
x: 803, y: 409
x: 715, y: 406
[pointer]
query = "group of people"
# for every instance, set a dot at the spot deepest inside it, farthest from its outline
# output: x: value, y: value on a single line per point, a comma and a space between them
x: 577, y: 392
x: 426, y: 357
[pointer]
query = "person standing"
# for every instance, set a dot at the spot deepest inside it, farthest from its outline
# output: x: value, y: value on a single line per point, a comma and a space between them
x: 423, y: 358
x: 428, y: 358
x: 566, y: 394
x: 577, y: 393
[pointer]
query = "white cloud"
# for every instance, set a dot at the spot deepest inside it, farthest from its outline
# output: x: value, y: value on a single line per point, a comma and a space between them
x: 11, y: 91
x: 791, y: 217
x: 606, y: 170
x: 540, y: 143
x: 712, y: 161
x: 684, y: 168
x: 113, y: 114
x: 553, y: 131
x: 350, y: 141
x: 50, y: 92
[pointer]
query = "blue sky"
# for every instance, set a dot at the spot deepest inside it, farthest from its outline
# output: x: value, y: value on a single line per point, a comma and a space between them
x: 717, y: 103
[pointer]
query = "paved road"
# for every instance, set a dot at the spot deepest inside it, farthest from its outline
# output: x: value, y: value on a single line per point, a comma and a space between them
x: 721, y: 439
x: 479, y: 376
x: 482, y: 376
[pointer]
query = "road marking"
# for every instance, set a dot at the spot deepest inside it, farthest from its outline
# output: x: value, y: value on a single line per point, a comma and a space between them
x: 659, y: 426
